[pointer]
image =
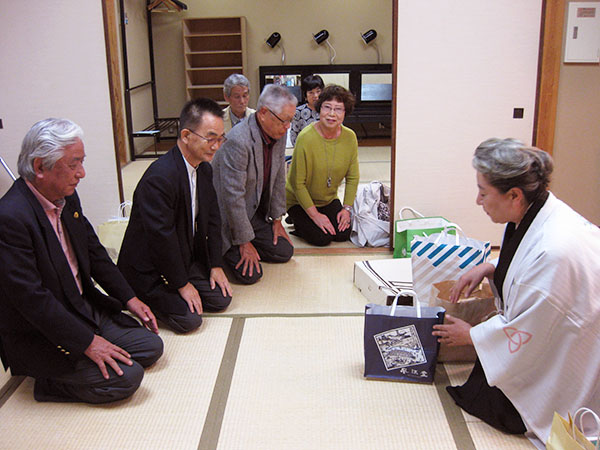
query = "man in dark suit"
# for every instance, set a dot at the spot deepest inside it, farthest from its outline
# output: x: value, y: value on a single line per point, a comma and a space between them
x: 54, y: 324
x: 171, y: 252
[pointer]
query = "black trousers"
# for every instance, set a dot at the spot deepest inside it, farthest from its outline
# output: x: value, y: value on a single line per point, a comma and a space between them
x: 487, y: 402
x: 86, y: 383
x: 181, y: 320
x: 305, y: 228
x: 263, y: 242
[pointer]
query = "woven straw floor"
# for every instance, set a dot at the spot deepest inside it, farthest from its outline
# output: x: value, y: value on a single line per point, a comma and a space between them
x: 281, y: 369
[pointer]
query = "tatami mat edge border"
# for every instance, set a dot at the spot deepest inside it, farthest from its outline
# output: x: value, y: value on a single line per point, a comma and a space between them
x: 261, y: 315
x: 216, y: 410
x: 320, y: 251
x: 9, y: 388
x: 454, y: 416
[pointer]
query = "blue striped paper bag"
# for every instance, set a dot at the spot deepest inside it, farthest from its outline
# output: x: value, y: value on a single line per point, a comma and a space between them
x: 443, y: 257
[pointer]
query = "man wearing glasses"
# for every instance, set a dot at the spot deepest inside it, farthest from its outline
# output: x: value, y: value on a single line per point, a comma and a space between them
x: 250, y: 183
x: 171, y: 253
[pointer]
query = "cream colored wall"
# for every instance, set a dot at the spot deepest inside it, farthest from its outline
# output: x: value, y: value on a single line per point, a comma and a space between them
x: 576, y: 152
x: 462, y: 68
x: 296, y: 21
x: 54, y: 65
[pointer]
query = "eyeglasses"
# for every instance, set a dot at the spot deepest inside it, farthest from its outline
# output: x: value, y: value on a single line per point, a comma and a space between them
x: 284, y: 122
x: 211, y: 141
x: 326, y: 109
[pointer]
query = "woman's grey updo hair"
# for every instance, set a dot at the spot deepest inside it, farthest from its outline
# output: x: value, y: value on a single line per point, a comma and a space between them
x: 509, y: 163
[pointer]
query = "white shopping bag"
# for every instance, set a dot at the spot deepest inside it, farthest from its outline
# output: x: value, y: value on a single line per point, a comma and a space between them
x: 111, y: 233
x: 367, y: 229
x: 443, y: 257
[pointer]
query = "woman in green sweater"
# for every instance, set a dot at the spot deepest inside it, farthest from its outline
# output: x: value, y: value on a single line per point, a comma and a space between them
x: 326, y: 153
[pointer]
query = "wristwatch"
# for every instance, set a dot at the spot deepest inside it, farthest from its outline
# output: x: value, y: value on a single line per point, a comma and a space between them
x: 348, y: 208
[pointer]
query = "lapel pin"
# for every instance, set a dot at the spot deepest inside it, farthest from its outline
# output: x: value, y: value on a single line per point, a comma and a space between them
x: 76, y: 215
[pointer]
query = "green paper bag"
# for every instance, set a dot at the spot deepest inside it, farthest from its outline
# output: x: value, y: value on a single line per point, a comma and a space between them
x: 405, y: 229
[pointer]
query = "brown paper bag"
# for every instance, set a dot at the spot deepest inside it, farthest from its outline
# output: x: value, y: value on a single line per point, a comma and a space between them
x: 474, y: 309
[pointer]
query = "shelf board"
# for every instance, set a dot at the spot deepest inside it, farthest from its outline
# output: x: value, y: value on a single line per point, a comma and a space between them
x: 212, y: 52
x: 195, y: 35
x: 215, y: 68
x: 205, y: 86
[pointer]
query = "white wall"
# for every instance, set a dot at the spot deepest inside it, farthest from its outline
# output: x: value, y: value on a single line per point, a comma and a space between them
x: 54, y: 65
x: 462, y: 68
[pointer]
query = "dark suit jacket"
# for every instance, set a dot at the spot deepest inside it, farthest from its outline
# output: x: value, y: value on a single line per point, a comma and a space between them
x: 158, y: 247
x: 42, y: 331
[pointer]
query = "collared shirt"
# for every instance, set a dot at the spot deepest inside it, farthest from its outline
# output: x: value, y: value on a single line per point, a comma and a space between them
x: 235, y: 119
x: 268, y: 144
x: 192, y: 179
x: 53, y: 212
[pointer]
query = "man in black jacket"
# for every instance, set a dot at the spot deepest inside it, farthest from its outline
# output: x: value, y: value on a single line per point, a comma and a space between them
x: 54, y: 324
x: 171, y: 252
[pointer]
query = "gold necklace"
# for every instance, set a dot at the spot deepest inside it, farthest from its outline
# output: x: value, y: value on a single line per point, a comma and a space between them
x: 329, y: 168
x: 332, y: 160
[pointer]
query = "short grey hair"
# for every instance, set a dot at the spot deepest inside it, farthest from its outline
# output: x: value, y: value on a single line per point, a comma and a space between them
x: 47, y: 140
x: 275, y: 97
x: 509, y: 163
x: 233, y: 80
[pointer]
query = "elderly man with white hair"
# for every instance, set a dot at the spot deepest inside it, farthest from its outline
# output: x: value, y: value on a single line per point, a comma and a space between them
x: 249, y: 177
x: 236, y: 92
x: 55, y: 324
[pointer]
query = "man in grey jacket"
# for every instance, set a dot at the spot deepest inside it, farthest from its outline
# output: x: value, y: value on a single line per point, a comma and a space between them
x: 249, y: 177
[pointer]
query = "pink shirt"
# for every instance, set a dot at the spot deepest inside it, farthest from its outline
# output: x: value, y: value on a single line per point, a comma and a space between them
x: 54, y: 212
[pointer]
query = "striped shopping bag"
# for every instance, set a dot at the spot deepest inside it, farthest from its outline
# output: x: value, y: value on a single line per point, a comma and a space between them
x: 443, y: 257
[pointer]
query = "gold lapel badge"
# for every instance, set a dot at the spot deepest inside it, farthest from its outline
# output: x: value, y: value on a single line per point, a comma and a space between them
x: 76, y: 215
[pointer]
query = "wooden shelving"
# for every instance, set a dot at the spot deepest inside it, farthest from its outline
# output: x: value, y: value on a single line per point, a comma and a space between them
x: 214, y: 48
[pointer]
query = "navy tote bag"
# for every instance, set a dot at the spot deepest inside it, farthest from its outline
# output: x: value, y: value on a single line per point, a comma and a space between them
x: 398, y: 341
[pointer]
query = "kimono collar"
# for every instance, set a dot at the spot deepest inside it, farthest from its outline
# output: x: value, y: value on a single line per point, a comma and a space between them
x: 512, y: 238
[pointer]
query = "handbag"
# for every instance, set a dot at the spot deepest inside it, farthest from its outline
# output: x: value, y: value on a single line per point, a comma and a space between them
x: 368, y: 230
x: 567, y: 436
x: 112, y: 232
x: 405, y: 229
x: 398, y: 343
x: 443, y: 257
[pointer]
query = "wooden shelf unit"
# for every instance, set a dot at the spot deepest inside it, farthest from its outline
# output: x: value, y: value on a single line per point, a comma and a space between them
x: 214, y: 48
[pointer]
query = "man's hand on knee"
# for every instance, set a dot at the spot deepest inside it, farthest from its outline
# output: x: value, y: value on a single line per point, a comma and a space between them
x: 218, y: 278
x: 191, y: 296
x: 249, y: 258
x: 103, y: 352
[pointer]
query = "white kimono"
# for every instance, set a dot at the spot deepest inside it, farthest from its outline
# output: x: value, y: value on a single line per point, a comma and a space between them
x: 543, y: 350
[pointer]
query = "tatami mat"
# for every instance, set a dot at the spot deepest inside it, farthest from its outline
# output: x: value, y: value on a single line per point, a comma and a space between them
x: 167, y: 412
x: 307, y: 284
x: 298, y: 384
x: 4, y: 376
x: 482, y: 434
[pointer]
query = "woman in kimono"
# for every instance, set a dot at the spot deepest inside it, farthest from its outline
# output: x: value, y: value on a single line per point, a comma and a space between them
x: 541, y: 352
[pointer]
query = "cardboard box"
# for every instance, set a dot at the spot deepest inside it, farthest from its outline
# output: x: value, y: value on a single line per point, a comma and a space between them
x: 378, y: 279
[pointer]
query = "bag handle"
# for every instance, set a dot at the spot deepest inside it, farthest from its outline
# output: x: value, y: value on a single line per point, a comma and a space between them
x: 123, y: 209
x: 447, y: 226
x: 581, y: 412
x: 408, y: 208
x: 416, y: 303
